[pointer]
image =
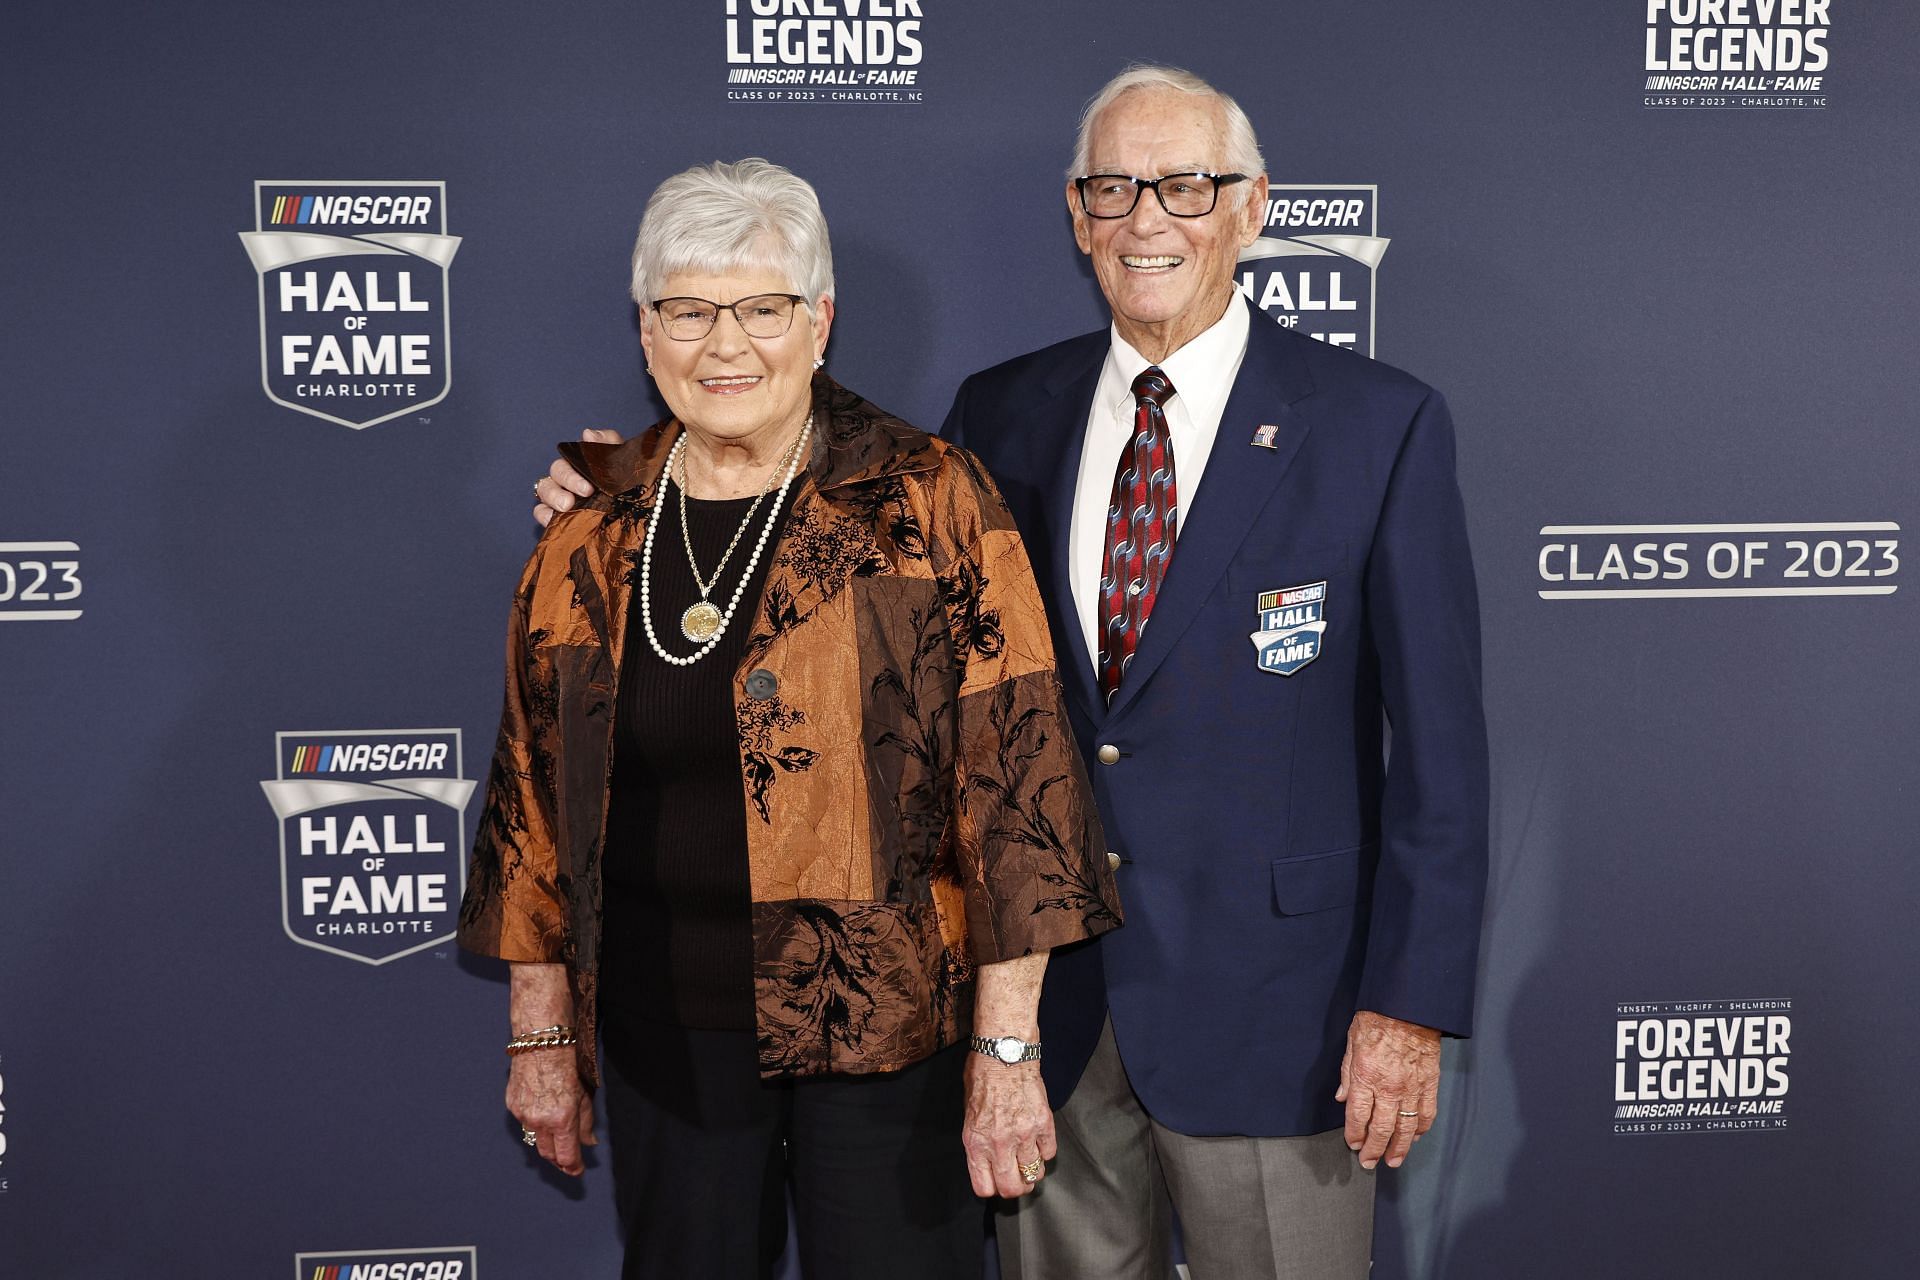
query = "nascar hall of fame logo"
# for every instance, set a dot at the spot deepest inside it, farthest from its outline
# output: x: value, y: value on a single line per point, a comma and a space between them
x: 353, y: 296
x: 824, y: 50
x: 456, y: 1262
x: 1313, y: 269
x: 372, y: 849
x: 39, y: 581
x: 1701, y: 561
x: 1701, y: 1066
x: 1741, y: 54
x: 1292, y: 624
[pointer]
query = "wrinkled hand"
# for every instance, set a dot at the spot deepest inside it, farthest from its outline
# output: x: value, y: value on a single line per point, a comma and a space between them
x: 1390, y: 1067
x: 545, y: 1095
x: 1008, y: 1124
x: 562, y: 486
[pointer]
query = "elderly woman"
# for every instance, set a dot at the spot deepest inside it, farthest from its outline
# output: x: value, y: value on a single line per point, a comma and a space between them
x: 784, y: 812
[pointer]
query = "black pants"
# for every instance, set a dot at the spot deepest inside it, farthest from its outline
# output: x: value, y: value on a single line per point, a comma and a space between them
x: 704, y: 1153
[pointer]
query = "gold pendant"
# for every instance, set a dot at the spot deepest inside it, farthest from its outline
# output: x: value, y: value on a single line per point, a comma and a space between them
x: 700, y: 621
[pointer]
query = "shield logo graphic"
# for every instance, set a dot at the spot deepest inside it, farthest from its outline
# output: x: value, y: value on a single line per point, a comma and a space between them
x: 1314, y: 268
x: 353, y: 297
x: 1293, y: 622
x: 372, y: 839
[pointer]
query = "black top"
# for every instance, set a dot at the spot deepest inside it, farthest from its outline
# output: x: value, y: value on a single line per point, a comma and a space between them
x: 677, y: 944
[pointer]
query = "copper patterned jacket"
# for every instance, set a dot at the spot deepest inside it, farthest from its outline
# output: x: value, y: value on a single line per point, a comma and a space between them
x: 915, y: 804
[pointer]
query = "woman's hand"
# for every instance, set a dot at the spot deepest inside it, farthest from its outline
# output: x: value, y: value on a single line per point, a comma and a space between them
x: 562, y: 486
x: 1009, y: 1124
x: 544, y: 1092
x: 545, y: 1095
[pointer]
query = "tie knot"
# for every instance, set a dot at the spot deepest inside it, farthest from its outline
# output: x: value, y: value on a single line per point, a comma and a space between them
x: 1153, y: 385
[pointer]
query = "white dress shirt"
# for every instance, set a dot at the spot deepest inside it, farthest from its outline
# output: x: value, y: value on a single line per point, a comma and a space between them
x: 1202, y: 373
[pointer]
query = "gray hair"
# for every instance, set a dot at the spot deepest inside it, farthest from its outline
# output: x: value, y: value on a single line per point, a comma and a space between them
x: 1243, y: 149
x: 719, y: 217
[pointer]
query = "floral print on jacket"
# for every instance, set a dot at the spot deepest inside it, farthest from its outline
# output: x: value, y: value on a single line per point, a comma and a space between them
x: 915, y: 804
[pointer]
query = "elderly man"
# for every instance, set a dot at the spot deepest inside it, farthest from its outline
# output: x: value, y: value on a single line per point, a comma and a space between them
x: 1303, y: 903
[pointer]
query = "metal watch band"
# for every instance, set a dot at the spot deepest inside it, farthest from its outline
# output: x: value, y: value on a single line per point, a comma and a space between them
x: 1005, y: 1049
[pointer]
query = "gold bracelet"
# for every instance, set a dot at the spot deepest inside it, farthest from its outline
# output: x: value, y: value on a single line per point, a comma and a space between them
x: 555, y: 1037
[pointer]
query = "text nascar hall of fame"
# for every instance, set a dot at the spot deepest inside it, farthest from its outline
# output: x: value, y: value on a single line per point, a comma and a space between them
x: 825, y: 50
x: 1736, y: 54
x: 353, y: 297
x: 1314, y: 264
x: 372, y: 838
x: 1701, y: 1066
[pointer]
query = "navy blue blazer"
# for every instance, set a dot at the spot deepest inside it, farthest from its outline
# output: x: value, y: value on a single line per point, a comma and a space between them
x: 1277, y: 873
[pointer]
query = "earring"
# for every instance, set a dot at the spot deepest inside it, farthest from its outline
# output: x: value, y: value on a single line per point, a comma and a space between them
x: 817, y: 363
x: 649, y: 371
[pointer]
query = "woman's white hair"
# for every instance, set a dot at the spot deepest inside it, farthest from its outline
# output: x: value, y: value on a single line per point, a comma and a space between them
x: 721, y: 217
x: 1242, y: 148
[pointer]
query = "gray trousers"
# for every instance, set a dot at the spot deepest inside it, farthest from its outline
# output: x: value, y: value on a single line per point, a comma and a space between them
x: 1250, y: 1208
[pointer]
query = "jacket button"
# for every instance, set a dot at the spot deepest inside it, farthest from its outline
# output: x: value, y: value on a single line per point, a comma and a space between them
x: 1113, y: 860
x: 762, y: 684
x: 1108, y: 753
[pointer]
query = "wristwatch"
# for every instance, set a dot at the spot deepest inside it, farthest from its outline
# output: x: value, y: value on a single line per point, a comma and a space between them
x: 1007, y: 1049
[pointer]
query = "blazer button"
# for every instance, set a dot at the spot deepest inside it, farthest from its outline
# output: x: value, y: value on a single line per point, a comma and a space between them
x: 1113, y: 860
x: 1108, y: 753
x: 762, y: 684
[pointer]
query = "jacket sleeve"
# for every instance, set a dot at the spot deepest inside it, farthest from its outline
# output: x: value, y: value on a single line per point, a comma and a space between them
x: 513, y: 907
x: 1424, y: 936
x: 1031, y: 855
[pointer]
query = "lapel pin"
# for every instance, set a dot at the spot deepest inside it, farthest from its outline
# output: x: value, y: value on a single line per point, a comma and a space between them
x: 1263, y: 435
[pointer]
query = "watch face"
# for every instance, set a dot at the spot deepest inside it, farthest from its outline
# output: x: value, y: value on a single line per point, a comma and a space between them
x: 1008, y: 1049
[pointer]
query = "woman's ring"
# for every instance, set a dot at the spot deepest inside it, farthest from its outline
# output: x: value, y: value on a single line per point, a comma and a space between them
x: 529, y: 1137
x: 1031, y: 1170
x: 1412, y: 1115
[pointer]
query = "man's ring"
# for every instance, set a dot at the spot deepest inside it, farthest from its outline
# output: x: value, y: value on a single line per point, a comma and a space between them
x: 1412, y: 1115
x: 1031, y: 1170
x: 529, y: 1137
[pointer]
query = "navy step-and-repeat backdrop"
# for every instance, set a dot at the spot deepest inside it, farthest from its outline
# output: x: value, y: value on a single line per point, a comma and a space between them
x: 299, y: 299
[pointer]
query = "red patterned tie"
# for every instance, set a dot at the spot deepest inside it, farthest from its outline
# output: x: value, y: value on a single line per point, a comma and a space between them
x: 1142, y: 520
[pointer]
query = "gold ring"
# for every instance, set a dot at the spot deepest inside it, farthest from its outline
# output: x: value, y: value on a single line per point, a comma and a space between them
x: 529, y: 1137
x: 1411, y: 1114
x: 1031, y: 1170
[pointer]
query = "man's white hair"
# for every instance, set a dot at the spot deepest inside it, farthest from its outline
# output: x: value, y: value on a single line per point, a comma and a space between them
x: 720, y: 217
x: 1242, y: 147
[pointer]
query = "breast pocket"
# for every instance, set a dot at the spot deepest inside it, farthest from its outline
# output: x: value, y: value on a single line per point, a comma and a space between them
x: 1311, y: 882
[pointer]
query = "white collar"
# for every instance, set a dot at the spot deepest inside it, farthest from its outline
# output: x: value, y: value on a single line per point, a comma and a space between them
x: 1201, y: 372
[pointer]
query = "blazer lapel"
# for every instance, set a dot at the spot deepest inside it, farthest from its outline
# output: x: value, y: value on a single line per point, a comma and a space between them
x: 1239, y: 481
x: 1069, y: 397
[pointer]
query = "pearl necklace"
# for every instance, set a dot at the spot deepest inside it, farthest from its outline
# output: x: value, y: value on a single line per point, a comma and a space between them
x: 753, y: 561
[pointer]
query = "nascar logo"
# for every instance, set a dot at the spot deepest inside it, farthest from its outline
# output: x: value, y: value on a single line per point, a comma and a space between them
x: 298, y: 210
x: 455, y: 1263
x: 364, y: 757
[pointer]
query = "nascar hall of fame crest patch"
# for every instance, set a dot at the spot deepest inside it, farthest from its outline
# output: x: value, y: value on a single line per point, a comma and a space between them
x: 372, y: 839
x: 353, y: 296
x: 1292, y: 624
x: 455, y: 1262
x: 1313, y: 267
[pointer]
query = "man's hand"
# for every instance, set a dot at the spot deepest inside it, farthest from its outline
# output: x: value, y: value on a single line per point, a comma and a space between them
x: 1390, y: 1081
x: 1008, y: 1124
x: 562, y: 486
